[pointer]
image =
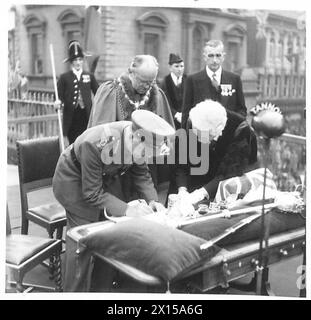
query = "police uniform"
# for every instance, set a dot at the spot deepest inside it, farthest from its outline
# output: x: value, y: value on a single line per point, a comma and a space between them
x: 86, y: 180
x: 76, y: 96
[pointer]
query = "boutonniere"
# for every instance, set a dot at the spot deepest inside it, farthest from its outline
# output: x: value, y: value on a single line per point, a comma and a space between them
x: 226, y: 90
x: 86, y: 78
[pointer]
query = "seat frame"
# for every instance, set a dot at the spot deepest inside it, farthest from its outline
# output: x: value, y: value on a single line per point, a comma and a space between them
x: 32, y: 186
x: 19, y: 271
x: 52, y: 252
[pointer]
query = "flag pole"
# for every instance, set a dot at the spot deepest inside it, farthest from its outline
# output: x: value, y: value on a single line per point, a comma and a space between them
x: 56, y: 98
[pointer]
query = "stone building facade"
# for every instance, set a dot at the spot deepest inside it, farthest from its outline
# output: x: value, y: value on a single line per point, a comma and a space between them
x: 257, y: 42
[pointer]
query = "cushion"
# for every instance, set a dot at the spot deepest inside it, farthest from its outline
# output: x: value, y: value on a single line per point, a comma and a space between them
x: 19, y: 247
x: 151, y: 247
x: 279, y: 222
x: 50, y: 212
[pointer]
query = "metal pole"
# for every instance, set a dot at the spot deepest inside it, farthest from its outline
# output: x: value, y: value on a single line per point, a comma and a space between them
x: 56, y: 98
x: 265, y: 227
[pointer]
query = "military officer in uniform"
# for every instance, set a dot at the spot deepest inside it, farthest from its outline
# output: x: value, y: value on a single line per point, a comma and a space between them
x: 75, y: 89
x: 86, y: 180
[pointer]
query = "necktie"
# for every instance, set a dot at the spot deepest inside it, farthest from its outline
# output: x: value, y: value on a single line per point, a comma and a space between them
x: 215, y: 82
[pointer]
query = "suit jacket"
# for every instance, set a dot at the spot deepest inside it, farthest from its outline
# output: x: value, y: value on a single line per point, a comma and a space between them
x: 169, y: 88
x: 68, y: 90
x: 96, y: 186
x: 198, y: 87
x: 174, y: 95
x: 234, y: 153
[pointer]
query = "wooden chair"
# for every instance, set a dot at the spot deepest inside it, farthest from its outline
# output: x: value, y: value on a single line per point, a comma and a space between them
x: 25, y: 252
x: 37, y: 159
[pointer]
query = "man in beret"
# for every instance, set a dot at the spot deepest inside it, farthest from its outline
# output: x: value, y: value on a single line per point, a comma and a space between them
x: 84, y: 179
x: 75, y: 89
x: 227, y: 145
x: 213, y: 83
x: 173, y: 86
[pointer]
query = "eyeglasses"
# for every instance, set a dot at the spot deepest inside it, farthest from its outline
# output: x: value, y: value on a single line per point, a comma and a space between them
x: 144, y: 82
x: 217, y: 55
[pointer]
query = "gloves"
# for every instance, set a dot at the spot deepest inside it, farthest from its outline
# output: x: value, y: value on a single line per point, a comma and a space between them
x: 178, y: 116
x: 138, y: 210
x: 193, y: 197
x: 183, y: 192
x: 156, y: 206
x: 57, y: 105
x: 198, y: 195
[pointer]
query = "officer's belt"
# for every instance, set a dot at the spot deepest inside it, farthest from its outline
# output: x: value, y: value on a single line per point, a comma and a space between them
x: 76, y: 162
x: 74, y: 158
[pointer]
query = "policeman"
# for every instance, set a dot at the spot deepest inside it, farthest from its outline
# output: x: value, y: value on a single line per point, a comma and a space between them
x: 86, y: 180
x: 75, y: 89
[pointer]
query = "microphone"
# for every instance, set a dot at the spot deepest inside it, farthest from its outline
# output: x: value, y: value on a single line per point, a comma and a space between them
x: 267, y: 120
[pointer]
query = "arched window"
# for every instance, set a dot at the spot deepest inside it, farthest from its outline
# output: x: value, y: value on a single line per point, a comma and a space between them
x: 35, y: 27
x: 72, y: 27
x: 234, y: 38
x: 152, y: 30
x: 272, y: 47
x: 280, y: 49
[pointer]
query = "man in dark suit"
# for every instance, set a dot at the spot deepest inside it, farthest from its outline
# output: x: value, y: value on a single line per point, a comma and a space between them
x: 75, y: 89
x: 213, y: 83
x: 173, y: 86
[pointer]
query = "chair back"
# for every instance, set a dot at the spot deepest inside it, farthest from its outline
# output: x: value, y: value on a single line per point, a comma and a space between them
x: 37, y: 159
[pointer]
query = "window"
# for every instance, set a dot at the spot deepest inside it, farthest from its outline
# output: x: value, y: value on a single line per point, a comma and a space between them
x: 197, y: 47
x: 234, y: 42
x: 232, y: 56
x: 280, y: 49
x: 272, y: 47
x: 36, y: 54
x: 151, y: 44
x: 72, y: 26
x: 35, y: 26
x: 152, y: 32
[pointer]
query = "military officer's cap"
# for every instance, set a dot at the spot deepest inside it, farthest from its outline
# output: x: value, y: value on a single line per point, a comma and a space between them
x: 153, y: 129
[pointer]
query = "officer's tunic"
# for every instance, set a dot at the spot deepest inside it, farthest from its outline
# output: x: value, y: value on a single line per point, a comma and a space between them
x: 86, y: 191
